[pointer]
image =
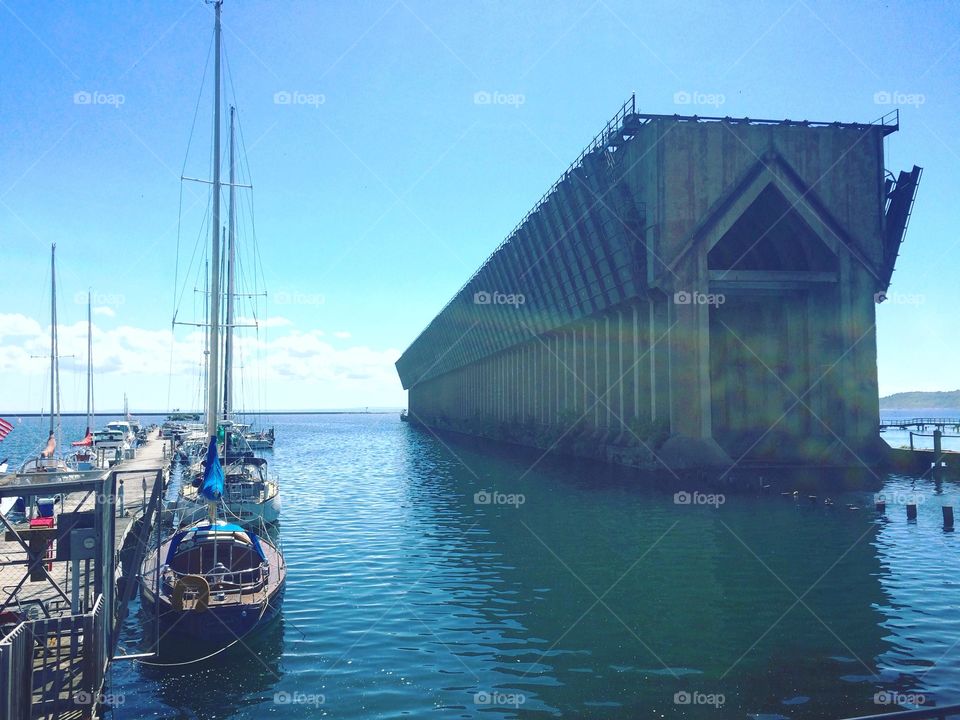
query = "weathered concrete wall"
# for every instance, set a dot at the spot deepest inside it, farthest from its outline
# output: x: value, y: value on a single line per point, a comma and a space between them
x: 699, y: 293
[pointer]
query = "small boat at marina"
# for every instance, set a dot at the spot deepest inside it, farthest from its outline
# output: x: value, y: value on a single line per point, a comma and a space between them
x: 249, y: 494
x: 260, y: 439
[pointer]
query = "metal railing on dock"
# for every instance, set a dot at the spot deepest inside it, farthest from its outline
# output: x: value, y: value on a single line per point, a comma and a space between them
x: 60, y: 609
x: 54, y: 666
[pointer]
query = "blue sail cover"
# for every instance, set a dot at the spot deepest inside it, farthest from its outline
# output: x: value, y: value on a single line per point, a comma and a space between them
x: 212, y: 487
x: 202, y: 532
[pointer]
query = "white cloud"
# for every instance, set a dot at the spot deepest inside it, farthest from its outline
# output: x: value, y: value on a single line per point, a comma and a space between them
x: 105, y: 311
x: 294, y: 369
x: 343, y: 334
x: 17, y: 325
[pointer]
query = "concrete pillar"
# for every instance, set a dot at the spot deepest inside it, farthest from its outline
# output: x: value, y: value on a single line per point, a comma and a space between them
x: 659, y: 356
x: 607, y: 378
x: 583, y: 370
x: 619, y: 370
x: 595, y: 372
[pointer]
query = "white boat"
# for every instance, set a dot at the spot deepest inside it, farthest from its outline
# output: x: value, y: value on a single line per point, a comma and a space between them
x: 249, y: 495
x: 125, y: 427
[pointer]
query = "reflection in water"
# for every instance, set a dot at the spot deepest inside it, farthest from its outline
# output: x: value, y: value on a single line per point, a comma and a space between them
x: 439, y: 577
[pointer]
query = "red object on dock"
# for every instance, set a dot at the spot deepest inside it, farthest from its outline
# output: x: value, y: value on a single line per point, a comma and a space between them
x: 42, y: 522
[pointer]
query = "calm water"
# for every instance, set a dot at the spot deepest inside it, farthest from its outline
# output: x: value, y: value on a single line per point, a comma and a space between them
x: 596, y: 597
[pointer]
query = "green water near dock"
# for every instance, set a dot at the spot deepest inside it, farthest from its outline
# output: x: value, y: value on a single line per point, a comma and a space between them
x: 435, y: 578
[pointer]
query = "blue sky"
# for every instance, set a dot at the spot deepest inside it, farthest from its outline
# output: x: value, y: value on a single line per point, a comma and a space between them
x: 383, y: 184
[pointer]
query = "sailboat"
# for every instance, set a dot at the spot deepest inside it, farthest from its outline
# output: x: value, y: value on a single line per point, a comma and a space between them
x: 86, y: 456
x: 47, y: 461
x: 250, y: 494
x: 214, y: 580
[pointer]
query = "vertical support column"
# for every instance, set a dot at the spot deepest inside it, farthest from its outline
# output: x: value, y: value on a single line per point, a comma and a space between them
x: 637, y: 362
x: 619, y: 370
x: 582, y: 374
x: 595, y: 375
x: 659, y: 343
x: 558, y: 364
x: 606, y: 383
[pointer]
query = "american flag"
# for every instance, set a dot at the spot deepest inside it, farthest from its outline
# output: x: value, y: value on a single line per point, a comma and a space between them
x: 5, y: 428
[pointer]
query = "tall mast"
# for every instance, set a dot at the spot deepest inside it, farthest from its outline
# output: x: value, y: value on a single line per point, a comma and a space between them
x: 212, y: 378
x: 231, y: 259
x: 53, y: 332
x: 206, y: 316
x: 89, y: 364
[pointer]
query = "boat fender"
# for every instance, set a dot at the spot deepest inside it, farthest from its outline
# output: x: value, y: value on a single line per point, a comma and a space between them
x: 192, y: 582
x: 241, y: 537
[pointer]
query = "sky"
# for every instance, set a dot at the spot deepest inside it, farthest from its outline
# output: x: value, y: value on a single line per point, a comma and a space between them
x: 392, y: 145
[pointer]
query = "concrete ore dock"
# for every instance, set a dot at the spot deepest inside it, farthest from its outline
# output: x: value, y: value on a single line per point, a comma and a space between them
x: 691, y: 293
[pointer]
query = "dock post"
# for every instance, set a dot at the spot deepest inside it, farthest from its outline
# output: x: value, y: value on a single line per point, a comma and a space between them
x: 120, y: 498
x: 937, y: 447
x: 911, y: 511
x: 947, y: 517
x: 143, y: 493
x: 911, y: 439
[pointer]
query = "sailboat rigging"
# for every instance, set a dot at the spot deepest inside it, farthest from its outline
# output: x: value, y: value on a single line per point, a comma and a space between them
x: 215, y: 580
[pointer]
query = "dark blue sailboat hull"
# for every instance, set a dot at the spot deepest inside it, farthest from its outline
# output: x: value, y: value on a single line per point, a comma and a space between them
x: 217, y: 626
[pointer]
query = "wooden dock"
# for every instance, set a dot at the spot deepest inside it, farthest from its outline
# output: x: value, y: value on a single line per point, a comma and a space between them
x: 59, y: 584
x: 151, y: 457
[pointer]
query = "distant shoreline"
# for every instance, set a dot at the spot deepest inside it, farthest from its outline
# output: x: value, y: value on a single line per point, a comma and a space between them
x: 917, y: 400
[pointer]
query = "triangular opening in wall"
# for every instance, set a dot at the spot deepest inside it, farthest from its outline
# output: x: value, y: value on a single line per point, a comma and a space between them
x: 771, y: 235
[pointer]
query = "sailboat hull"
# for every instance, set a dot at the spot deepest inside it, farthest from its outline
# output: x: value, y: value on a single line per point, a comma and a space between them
x: 194, y: 505
x: 217, y: 626
x: 209, y: 600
